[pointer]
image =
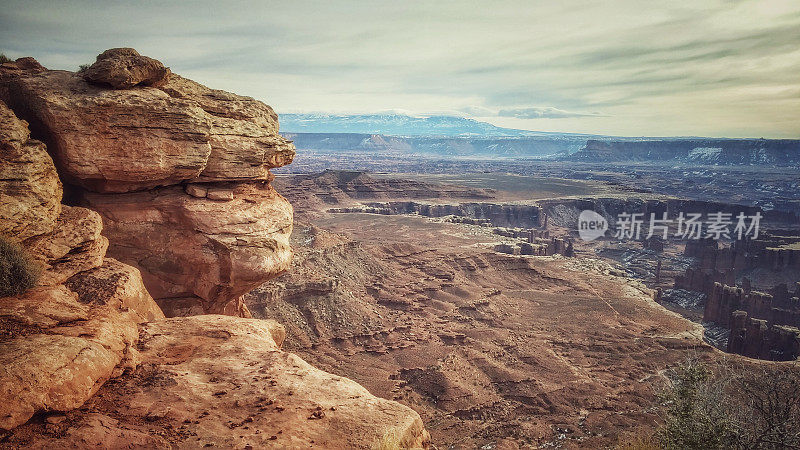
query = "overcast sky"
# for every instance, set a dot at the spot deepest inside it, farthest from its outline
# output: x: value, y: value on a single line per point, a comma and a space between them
x: 694, y: 67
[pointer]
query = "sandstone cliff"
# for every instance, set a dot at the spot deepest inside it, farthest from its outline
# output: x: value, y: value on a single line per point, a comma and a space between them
x: 63, y: 339
x: 176, y: 180
x: 179, y: 173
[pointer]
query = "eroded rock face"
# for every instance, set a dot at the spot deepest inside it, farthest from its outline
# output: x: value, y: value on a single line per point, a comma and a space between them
x: 244, y: 135
x: 224, y: 382
x: 58, y: 350
x: 60, y: 342
x: 30, y: 191
x: 110, y: 140
x: 195, y: 210
x: 212, y: 250
x: 124, y: 68
x: 181, y: 181
x: 75, y: 245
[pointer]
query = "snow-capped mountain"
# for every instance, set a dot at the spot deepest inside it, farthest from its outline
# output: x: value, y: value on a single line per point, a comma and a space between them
x: 394, y: 125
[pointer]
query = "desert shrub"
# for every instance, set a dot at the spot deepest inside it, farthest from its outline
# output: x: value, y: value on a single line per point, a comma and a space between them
x: 696, y: 415
x: 18, y: 272
x: 4, y: 58
x: 766, y: 404
x: 83, y: 68
x: 722, y: 406
x: 638, y: 442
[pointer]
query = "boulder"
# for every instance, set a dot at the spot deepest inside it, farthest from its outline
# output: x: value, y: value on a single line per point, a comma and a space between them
x: 124, y: 68
x: 110, y: 140
x: 196, y: 247
x: 244, y: 138
x: 75, y: 245
x: 207, y: 243
x: 115, y: 284
x: 30, y: 191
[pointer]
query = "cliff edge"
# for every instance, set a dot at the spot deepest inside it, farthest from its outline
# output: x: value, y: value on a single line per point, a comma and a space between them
x: 166, y: 190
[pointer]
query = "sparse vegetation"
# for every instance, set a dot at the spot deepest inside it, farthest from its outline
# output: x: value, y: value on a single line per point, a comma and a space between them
x: 18, y: 272
x: 83, y: 68
x: 725, y: 407
x: 638, y: 442
x: 768, y: 406
x: 4, y: 58
x: 696, y: 415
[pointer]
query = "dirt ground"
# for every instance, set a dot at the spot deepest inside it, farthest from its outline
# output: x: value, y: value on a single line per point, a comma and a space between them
x: 490, y: 349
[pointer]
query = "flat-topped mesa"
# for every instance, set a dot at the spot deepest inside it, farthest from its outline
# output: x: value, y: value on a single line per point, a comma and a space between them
x: 179, y: 173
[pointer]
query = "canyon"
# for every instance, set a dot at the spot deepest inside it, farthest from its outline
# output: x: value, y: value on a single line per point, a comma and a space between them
x: 138, y: 192
x: 205, y: 283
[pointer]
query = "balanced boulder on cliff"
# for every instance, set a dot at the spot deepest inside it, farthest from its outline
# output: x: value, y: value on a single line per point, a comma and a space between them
x: 106, y: 139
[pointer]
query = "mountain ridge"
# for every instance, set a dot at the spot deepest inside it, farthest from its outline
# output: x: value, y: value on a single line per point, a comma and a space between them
x: 399, y: 125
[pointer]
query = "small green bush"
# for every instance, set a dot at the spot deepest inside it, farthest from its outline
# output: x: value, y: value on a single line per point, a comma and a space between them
x: 18, y: 272
x: 4, y: 58
x: 83, y: 68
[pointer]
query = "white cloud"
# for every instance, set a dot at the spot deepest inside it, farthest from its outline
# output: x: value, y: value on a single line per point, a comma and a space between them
x: 649, y: 68
x: 542, y: 112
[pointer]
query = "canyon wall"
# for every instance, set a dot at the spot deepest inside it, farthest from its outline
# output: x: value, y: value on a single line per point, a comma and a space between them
x: 769, y: 251
x: 179, y: 172
x: 763, y: 313
x: 781, y: 152
x: 498, y: 214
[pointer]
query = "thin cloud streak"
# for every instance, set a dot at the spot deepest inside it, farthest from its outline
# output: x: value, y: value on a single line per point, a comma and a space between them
x: 719, y: 68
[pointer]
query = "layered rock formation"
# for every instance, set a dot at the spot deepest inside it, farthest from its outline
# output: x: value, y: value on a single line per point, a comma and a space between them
x: 757, y: 338
x: 340, y: 187
x: 63, y: 339
x: 30, y: 191
x: 180, y: 178
x: 178, y: 171
x: 763, y: 314
x: 782, y: 152
x: 498, y: 214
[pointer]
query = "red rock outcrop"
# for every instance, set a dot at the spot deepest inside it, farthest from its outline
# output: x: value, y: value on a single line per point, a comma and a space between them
x: 224, y: 382
x: 30, y: 191
x: 756, y: 338
x: 60, y: 341
x: 61, y: 350
x: 199, y: 251
x: 179, y: 173
x: 183, y: 382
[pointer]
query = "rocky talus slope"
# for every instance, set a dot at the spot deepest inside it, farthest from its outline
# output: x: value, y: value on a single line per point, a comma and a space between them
x: 166, y: 185
x: 492, y: 350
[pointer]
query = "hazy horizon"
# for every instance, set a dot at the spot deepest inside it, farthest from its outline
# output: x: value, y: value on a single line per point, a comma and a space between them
x: 721, y: 69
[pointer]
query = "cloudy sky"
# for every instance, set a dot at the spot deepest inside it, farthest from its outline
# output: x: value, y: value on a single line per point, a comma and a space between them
x: 680, y: 67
